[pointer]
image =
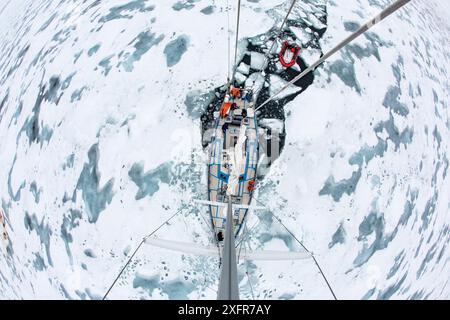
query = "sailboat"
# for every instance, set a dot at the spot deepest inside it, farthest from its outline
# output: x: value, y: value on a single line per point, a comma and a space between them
x: 233, y: 161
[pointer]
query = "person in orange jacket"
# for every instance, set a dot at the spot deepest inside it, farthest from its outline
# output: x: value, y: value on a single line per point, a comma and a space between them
x: 235, y: 92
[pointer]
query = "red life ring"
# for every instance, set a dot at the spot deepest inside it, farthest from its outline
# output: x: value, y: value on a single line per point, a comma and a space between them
x: 294, y: 50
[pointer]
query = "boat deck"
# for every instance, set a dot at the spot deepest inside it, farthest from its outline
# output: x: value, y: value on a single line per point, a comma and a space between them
x: 232, y: 165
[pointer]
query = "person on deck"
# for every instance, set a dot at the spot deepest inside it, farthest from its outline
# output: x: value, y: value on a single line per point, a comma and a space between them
x: 225, y: 127
x: 235, y: 92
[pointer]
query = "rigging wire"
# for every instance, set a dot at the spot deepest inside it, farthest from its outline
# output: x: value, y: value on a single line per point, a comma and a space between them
x: 243, y: 244
x: 379, y: 17
x: 248, y: 232
x: 245, y: 235
x: 304, y: 247
x: 237, y: 38
x: 137, y: 249
x: 229, y: 44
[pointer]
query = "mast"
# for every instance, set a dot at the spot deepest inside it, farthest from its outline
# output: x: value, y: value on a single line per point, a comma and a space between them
x: 228, y: 283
